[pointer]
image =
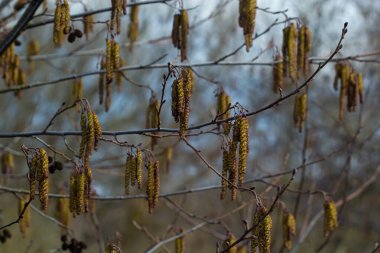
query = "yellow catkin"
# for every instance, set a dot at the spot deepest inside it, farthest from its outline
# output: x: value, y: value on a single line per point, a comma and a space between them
x: 43, y: 178
x: 300, y: 111
x: 176, y: 31
x: 174, y: 105
x: 156, y: 190
x: 67, y: 26
x: 344, y: 76
x: 150, y: 186
x: 90, y: 133
x: 118, y: 16
x: 88, y: 25
x: 133, y: 170
x: 261, y: 234
x: 243, y: 149
x: 33, y: 167
x: 289, y: 228
x: 308, y: 45
x: 232, y: 168
x: 109, y: 60
x: 98, y: 130
x: 180, y: 243
x: 188, y: 84
x: 330, y: 217
x: 33, y: 48
x: 133, y: 28
x: 113, y: 14
x: 168, y: 158
x: 183, y: 34
x: 301, y: 50
x: 247, y: 15
x: 25, y: 221
x: 7, y: 163
x: 127, y: 174
x: 278, y: 74
x: 57, y: 24
x: 101, y: 80
x: 83, y: 126
x: 292, y: 51
x: 72, y: 196
x: 255, y: 232
x: 62, y: 211
x: 360, y: 88
x: 116, y: 55
x: 80, y: 187
x: 139, y: 168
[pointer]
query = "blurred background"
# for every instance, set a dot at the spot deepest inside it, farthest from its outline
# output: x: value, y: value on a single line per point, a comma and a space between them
x: 340, y: 156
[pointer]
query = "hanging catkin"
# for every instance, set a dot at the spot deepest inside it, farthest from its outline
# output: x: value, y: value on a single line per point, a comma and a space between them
x: 88, y: 25
x: 43, y: 178
x: 288, y: 228
x: 289, y: 48
x: 300, y: 110
x: 247, y: 15
x: 133, y: 28
x: 62, y: 211
x: 25, y: 221
x: 180, y: 242
x: 261, y: 234
x: 223, y: 110
x: 330, y: 216
x: 278, y: 73
x: 243, y: 149
x: 183, y: 34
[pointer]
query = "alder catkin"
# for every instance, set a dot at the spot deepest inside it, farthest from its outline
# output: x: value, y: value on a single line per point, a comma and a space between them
x: 288, y: 228
x: 43, y: 178
x: 127, y: 174
x: 247, y: 15
x: 183, y: 34
x: 224, y: 175
x: 62, y: 211
x: 150, y: 186
x: 243, y: 149
x: 156, y: 190
x: 330, y: 216
x: 180, y: 242
x: 139, y: 168
x: 278, y: 73
x: 97, y: 129
x: 301, y: 46
x: 176, y: 31
x: 292, y: 51
x: 133, y: 28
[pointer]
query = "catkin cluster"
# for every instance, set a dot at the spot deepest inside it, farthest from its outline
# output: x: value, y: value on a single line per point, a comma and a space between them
x: 330, y: 217
x: 180, y: 32
x: 25, y: 221
x: 133, y: 28
x: 351, y: 87
x: 247, y: 16
x: 182, y: 89
x: 10, y: 68
x: 261, y: 234
x: 62, y: 21
x: 88, y: 25
x: 278, y: 73
x: 223, y: 110
x: 111, y: 63
x: 133, y: 171
x: 235, y: 168
x: 300, y: 111
x: 153, y: 184
x: 62, y: 209
x: 288, y: 228
x: 39, y: 172
x: 7, y: 163
x: 118, y: 6
x: 180, y: 243
x: 296, y: 47
x: 91, y: 131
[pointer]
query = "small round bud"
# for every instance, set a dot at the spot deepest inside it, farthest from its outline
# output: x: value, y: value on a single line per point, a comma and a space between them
x: 78, y: 33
